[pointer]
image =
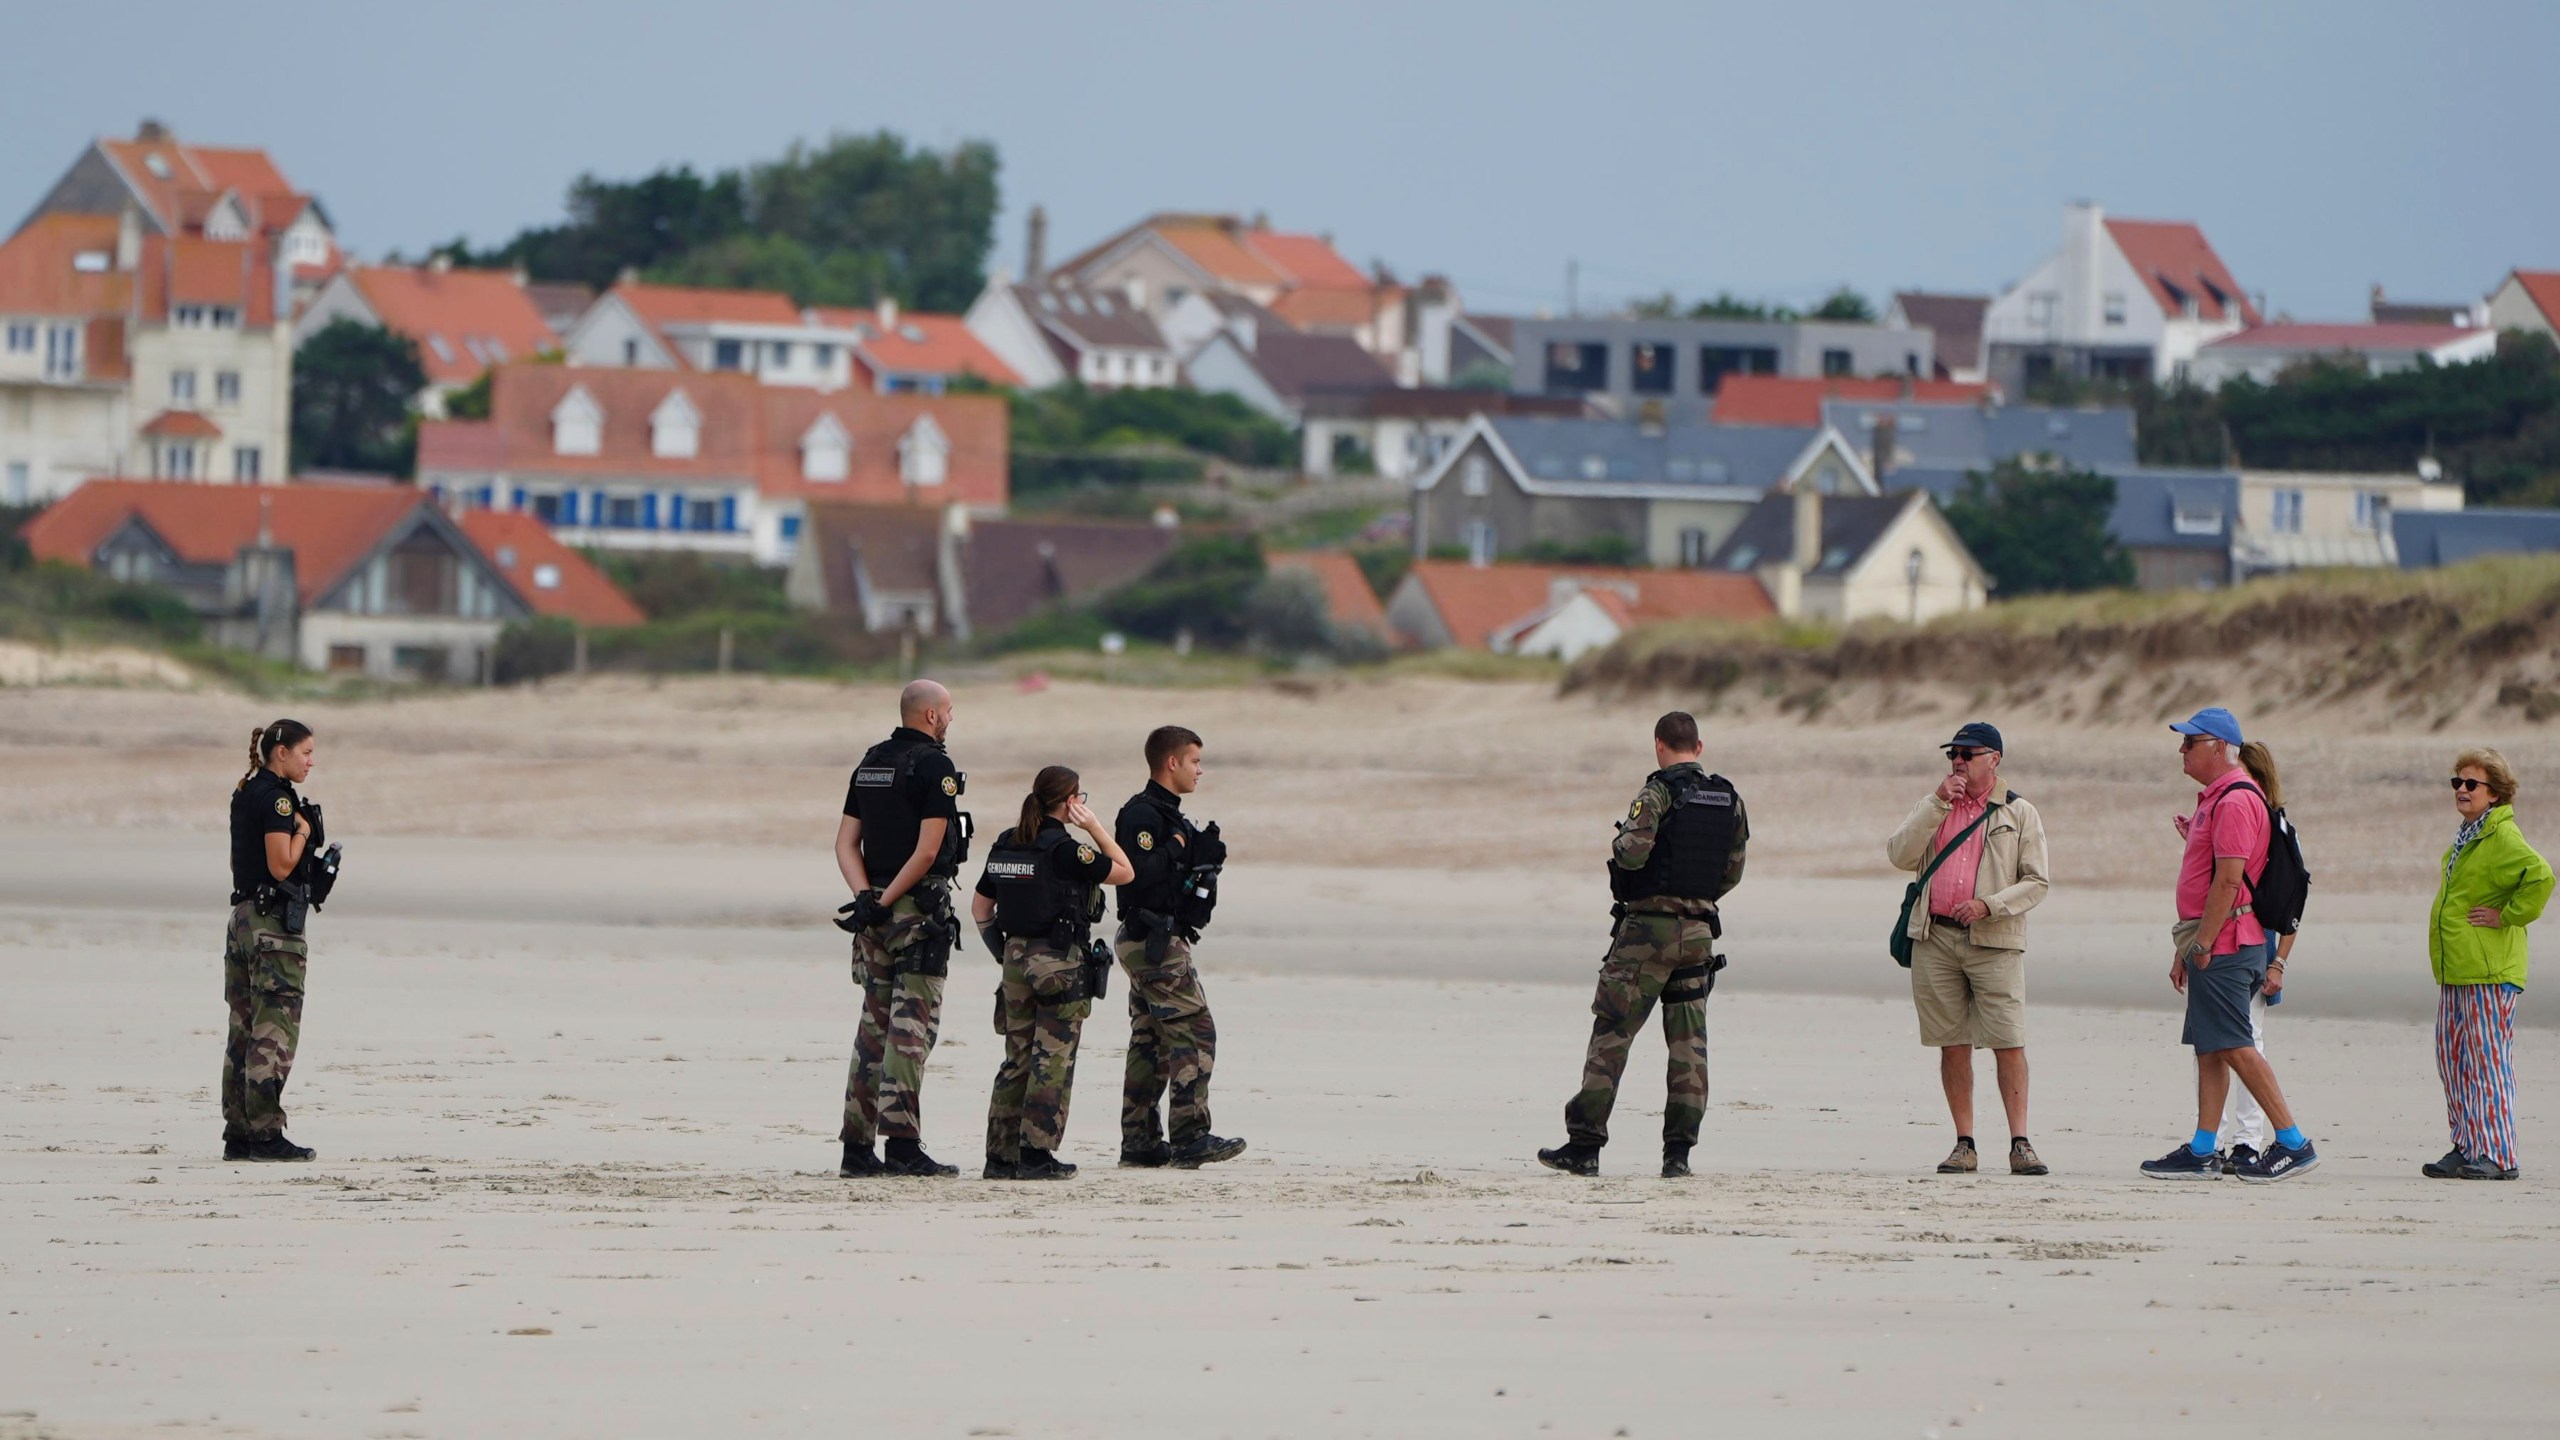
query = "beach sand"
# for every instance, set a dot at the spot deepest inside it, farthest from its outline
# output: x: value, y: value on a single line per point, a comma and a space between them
x: 577, y: 1032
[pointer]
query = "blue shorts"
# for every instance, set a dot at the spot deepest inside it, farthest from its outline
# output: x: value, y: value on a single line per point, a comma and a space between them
x: 2218, y: 999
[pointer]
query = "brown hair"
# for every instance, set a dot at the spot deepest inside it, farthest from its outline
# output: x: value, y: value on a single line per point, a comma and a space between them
x: 1166, y: 741
x: 2501, y: 775
x: 2261, y: 765
x: 266, y: 740
x: 1053, y: 784
x: 1677, y: 731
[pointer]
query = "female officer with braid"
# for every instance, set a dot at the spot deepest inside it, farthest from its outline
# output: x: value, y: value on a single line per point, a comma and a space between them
x: 263, y: 954
x: 1035, y: 906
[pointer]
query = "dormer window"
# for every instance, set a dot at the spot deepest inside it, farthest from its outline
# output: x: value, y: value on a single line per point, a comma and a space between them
x: 157, y: 164
x: 577, y: 424
x: 924, y: 456
x: 826, y: 451
x: 675, y: 428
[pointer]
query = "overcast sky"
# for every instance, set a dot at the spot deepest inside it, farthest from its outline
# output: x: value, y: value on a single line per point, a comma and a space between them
x: 1770, y: 149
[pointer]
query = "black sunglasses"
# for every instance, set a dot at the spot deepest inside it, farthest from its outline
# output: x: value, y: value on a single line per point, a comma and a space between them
x: 2466, y: 784
x: 1962, y: 753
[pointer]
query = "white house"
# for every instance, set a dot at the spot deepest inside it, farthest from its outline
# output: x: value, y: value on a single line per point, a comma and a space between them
x: 1054, y: 332
x: 2121, y: 300
x: 2527, y: 300
x: 2262, y: 352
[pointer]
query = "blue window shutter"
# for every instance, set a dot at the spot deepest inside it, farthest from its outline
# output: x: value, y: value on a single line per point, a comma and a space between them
x: 790, y: 527
x: 649, y: 511
x: 519, y: 501
x: 568, y: 507
x: 728, y: 512
x: 596, y: 513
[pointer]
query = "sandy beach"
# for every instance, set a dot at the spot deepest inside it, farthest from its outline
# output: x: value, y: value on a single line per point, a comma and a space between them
x: 577, y: 1031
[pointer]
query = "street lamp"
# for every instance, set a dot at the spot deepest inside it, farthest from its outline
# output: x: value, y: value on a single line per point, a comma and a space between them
x: 1911, y: 572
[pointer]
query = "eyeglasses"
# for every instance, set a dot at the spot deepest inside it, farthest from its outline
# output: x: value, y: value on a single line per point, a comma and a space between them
x: 1962, y: 753
x: 2466, y: 784
x: 2189, y: 742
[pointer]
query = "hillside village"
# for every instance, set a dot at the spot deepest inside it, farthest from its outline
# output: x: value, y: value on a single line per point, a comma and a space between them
x: 1280, y: 449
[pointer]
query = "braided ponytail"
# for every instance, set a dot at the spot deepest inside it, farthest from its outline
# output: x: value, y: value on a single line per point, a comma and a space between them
x: 266, y: 740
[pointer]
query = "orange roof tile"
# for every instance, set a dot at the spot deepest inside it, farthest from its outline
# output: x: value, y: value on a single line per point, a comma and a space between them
x: 1308, y: 260
x: 1348, y: 599
x: 1476, y: 601
x: 1796, y: 400
x: 182, y: 425
x: 920, y: 345
x: 520, y: 547
x: 2174, y: 253
x: 38, y: 275
x: 328, y: 527
x: 188, y: 270
x: 2542, y: 287
x: 975, y: 426
x: 686, y: 305
x: 191, y: 179
x: 250, y: 172
x: 483, y: 317
x: 1328, y: 308
x: 1212, y: 245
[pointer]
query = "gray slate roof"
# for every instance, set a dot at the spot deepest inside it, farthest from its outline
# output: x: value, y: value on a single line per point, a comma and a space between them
x: 1097, y: 319
x: 1851, y: 525
x: 1964, y: 435
x: 2429, y: 538
x: 1299, y: 365
x: 2155, y: 509
x: 1602, y: 454
x: 1955, y: 319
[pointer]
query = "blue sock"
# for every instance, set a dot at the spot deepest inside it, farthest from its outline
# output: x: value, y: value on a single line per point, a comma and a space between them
x: 2203, y: 1143
x: 2290, y: 1137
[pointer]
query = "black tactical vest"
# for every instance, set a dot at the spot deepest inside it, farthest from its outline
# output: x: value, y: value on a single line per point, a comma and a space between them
x: 1164, y: 894
x: 883, y: 786
x: 1031, y: 901
x: 1693, y: 845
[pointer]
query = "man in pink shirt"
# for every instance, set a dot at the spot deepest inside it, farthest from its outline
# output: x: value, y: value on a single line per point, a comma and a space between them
x: 2222, y: 953
x: 1969, y: 934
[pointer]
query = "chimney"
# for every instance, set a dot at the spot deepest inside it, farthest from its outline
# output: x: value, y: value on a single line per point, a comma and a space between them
x: 441, y: 262
x: 521, y: 276
x: 151, y: 132
x: 627, y: 275
x: 129, y: 237
x: 1261, y: 220
x: 1808, y: 551
x: 1035, y: 258
x: 1880, y: 461
x: 888, y: 313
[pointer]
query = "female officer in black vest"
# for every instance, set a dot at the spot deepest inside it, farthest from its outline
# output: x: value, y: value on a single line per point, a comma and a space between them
x: 272, y: 830
x: 1035, y: 906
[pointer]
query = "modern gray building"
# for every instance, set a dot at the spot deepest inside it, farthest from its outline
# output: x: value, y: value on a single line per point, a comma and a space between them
x: 1629, y: 366
x: 1943, y: 436
x: 2426, y: 539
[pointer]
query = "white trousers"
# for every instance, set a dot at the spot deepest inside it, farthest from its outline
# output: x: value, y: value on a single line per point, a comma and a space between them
x: 2244, y: 1121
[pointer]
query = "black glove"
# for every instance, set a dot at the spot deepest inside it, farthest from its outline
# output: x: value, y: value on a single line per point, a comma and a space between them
x: 1208, y: 850
x: 994, y: 939
x: 865, y: 913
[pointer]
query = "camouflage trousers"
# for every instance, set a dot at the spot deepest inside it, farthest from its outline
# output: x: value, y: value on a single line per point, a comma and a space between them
x: 262, y: 975
x: 1645, y: 950
x: 901, y: 1017
x: 1040, y: 1026
x: 1173, y: 1045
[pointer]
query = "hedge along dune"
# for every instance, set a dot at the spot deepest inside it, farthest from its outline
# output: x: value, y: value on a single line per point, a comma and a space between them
x: 2371, y: 650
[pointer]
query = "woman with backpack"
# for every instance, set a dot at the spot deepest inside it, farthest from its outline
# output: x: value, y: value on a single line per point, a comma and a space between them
x: 2244, y: 1120
x: 2493, y: 885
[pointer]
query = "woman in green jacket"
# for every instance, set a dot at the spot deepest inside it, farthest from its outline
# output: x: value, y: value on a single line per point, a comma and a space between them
x: 2494, y: 885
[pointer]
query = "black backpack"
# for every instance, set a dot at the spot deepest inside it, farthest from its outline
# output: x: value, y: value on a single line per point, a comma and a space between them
x: 2278, y: 892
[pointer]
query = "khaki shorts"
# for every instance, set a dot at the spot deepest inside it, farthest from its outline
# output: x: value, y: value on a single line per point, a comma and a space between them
x: 1966, y: 994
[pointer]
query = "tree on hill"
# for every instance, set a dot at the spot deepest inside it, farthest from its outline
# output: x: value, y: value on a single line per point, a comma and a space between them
x: 1844, y: 304
x: 352, y: 388
x: 2494, y: 424
x: 2041, y: 530
x: 843, y: 223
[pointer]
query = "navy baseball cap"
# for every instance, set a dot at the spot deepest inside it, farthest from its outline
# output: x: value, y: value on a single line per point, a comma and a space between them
x: 1980, y: 735
x: 2213, y: 722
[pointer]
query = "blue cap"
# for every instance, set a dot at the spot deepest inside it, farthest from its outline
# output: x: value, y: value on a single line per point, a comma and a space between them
x: 1979, y: 734
x: 2213, y: 722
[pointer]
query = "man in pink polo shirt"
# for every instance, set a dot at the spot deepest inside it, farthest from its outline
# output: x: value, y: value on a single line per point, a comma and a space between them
x: 2222, y: 952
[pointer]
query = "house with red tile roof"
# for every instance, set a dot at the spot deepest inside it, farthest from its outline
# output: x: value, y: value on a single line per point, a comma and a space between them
x: 1557, y: 609
x: 371, y: 579
x: 125, y: 351
x: 462, y: 321
x: 1349, y: 602
x: 1797, y: 400
x: 2121, y: 300
x: 201, y: 191
x: 555, y: 580
x: 761, y: 333
x: 2527, y: 300
x: 950, y: 572
x: 2263, y: 352
x: 908, y: 352
x: 665, y: 459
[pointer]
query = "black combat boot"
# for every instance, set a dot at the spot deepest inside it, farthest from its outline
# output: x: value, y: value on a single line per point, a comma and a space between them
x: 1575, y: 1158
x: 274, y: 1148
x: 1206, y: 1150
x: 907, y: 1157
x: 859, y: 1162
x: 1146, y: 1157
x: 235, y: 1147
x: 1675, y: 1162
x: 1041, y: 1165
x: 999, y: 1168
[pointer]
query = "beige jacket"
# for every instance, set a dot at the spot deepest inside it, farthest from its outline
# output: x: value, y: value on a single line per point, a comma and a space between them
x: 2012, y: 880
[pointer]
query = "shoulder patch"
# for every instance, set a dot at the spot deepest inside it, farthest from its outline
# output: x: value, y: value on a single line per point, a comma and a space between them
x: 284, y: 805
x: 1146, y: 841
x: 1636, y: 810
x: 950, y: 785
x: 1084, y: 854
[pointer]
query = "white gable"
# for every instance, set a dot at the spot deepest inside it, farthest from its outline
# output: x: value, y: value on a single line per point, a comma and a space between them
x: 675, y: 428
x: 825, y: 450
x: 924, y: 455
x: 577, y: 423
x: 226, y: 221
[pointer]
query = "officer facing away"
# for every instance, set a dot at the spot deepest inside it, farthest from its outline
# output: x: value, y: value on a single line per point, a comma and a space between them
x: 901, y: 842
x: 1677, y: 853
x: 1173, y: 1044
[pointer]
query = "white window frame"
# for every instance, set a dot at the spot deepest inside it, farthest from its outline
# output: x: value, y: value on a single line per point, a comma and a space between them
x: 1484, y: 543
x: 226, y: 388
x: 2284, y: 515
x: 2373, y: 510
x: 182, y: 389
x: 248, y: 462
x: 577, y: 424
x: 924, y: 454
x: 1475, y: 476
x: 675, y: 428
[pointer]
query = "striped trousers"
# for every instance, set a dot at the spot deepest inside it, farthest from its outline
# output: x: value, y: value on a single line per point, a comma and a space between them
x: 2475, y: 1053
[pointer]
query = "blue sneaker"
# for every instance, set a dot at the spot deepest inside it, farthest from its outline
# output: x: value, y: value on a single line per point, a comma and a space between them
x: 2184, y: 1163
x: 2281, y: 1162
